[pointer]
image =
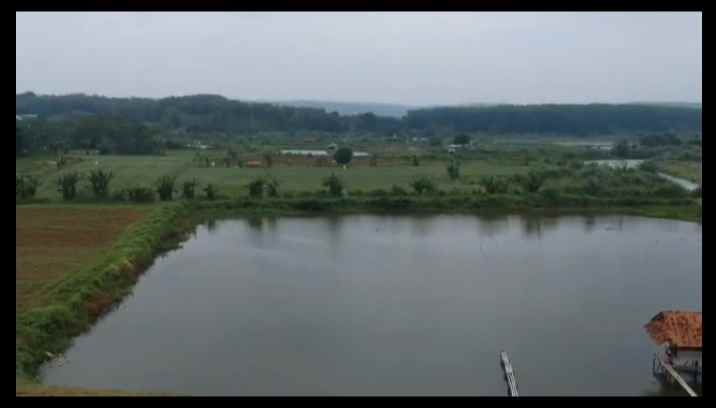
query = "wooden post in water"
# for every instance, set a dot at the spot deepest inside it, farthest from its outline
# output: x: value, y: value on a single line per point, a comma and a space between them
x: 676, y: 377
x: 509, y: 375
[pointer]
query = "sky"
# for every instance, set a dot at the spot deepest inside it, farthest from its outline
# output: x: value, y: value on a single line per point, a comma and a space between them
x: 416, y: 58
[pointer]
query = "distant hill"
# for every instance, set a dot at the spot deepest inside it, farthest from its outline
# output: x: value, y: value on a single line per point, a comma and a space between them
x: 352, y: 108
x: 693, y: 105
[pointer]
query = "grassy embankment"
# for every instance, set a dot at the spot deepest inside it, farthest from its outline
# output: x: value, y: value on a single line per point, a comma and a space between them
x: 73, y: 264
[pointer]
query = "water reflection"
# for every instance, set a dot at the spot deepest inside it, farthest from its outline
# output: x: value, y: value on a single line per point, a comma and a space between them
x: 492, y: 225
x: 589, y: 223
x: 534, y: 227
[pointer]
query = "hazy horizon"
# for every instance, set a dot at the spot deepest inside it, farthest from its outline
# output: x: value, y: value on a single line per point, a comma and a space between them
x: 411, y: 59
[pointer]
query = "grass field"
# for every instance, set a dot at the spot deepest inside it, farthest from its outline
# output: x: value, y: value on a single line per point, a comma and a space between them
x: 135, y: 170
x: 690, y: 170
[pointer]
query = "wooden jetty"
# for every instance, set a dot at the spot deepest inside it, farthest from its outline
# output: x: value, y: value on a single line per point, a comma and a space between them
x: 660, y: 363
x: 509, y: 375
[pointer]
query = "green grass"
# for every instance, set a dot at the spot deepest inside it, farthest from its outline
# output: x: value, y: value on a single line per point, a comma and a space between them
x: 133, y: 170
x: 689, y: 170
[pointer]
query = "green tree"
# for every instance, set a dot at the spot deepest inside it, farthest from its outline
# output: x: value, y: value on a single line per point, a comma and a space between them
x: 343, y: 156
x: 416, y: 161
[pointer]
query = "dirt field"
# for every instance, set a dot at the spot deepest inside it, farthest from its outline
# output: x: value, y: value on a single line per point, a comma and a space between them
x: 51, y: 242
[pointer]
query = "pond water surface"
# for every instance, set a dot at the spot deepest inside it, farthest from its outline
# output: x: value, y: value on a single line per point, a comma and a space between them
x: 397, y: 305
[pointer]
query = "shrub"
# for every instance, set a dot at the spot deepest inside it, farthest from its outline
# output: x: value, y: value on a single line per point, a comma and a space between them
x: 119, y: 195
x: 25, y: 186
x: 256, y: 187
x: 140, y: 194
x: 357, y: 193
x: 188, y: 188
x: 669, y: 190
x: 379, y: 192
x: 593, y: 186
x: 423, y: 185
x: 272, y: 187
x: 533, y: 181
x: 551, y: 195
x: 416, y: 162
x: 334, y: 184
x: 453, y: 170
x: 494, y: 185
x: 397, y: 190
x: 648, y: 166
x: 67, y: 185
x: 310, y: 205
x: 165, y: 187
x: 211, y: 191
x: 268, y: 158
x: 99, y: 179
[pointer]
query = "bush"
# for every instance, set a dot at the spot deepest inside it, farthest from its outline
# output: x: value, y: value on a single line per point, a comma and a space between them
x: 397, y: 190
x: 188, y: 188
x: 67, y: 185
x: 310, y: 205
x: 453, y: 170
x: 593, y: 186
x: 272, y: 187
x: 494, y: 185
x: 648, y: 166
x: 25, y: 186
x: 99, y: 179
x: 551, y: 195
x: 165, y: 187
x: 423, y: 185
x: 669, y: 190
x: 416, y: 162
x: 140, y: 194
x: 379, y: 192
x: 256, y: 187
x: 533, y: 181
x: 334, y: 184
x: 210, y: 191
x: 119, y: 195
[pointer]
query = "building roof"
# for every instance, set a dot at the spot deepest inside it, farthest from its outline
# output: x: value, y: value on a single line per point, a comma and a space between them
x: 681, y: 329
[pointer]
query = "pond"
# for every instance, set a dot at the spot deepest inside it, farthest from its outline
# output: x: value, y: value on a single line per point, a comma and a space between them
x: 397, y: 305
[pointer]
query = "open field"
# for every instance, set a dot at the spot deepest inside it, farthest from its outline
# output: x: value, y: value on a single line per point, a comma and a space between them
x: 135, y: 170
x: 690, y: 170
x: 53, y: 242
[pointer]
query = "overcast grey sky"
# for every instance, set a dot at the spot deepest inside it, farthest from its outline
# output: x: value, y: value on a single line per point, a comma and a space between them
x: 410, y: 58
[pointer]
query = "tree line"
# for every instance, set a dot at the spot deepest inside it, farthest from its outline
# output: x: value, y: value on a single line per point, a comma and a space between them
x: 217, y: 113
